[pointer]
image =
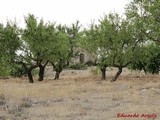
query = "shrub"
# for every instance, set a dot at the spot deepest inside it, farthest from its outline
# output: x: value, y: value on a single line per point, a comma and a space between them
x: 78, y: 66
x: 18, y: 71
x: 5, y: 68
x: 90, y: 63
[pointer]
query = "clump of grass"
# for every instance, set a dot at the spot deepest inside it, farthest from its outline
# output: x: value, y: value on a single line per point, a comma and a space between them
x: 14, y: 109
x: 2, y: 99
x: 3, y: 118
x: 95, y: 70
x: 26, y: 102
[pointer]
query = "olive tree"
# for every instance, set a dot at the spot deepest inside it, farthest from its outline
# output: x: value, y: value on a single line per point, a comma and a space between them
x: 147, y: 58
x: 112, y: 41
x: 35, y: 46
x: 59, y: 48
x: 93, y: 43
x: 74, y: 35
x: 121, y: 43
x: 9, y: 45
x: 143, y: 14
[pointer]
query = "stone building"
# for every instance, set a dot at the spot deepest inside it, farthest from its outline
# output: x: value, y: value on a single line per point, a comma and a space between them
x: 83, y: 57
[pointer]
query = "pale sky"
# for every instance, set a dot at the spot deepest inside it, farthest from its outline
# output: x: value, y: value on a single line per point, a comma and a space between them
x: 60, y: 11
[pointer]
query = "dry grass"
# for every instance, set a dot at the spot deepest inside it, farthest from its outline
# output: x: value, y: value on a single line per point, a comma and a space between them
x: 79, y: 95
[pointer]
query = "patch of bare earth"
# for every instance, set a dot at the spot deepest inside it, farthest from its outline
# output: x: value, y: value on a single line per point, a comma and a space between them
x: 79, y: 95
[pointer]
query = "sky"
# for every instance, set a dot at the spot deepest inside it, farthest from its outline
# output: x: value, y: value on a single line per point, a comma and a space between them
x: 59, y: 11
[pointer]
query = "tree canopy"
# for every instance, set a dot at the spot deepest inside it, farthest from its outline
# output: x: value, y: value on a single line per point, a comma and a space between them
x: 132, y: 41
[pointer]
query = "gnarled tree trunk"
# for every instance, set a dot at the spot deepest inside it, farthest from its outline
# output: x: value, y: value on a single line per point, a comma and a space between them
x: 117, y: 74
x: 57, y: 75
x: 41, y: 71
x: 58, y: 71
x: 58, y: 68
x: 103, y: 71
x: 29, y: 72
x: 30, y: 77
x: 28, y: 68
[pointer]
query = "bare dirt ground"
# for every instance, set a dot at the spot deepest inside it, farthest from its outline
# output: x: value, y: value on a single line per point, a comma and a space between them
x: 80, y: 95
